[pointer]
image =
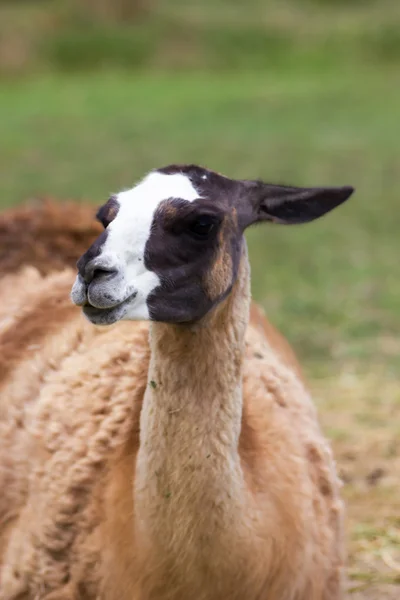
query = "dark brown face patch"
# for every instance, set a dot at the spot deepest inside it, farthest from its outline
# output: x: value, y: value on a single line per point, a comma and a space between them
x: 184, y: 262
x: 94, y: 251
x: 195, y: 275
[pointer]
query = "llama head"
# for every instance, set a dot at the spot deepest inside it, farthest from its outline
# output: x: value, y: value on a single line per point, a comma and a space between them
x: 172, y: 244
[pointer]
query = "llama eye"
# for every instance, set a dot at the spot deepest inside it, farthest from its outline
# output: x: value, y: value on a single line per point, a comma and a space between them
x: 202, y: 226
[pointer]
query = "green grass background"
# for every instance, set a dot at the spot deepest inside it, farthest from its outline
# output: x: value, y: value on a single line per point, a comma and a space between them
x: 332, y: 286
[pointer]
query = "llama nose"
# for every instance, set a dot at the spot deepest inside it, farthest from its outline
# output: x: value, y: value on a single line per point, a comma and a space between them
x: 95, y: 270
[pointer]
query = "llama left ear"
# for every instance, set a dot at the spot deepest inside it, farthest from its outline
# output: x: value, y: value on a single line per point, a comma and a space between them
x: 290, y: 205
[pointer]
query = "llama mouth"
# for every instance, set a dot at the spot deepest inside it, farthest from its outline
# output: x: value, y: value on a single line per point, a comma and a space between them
x: 107, y: 316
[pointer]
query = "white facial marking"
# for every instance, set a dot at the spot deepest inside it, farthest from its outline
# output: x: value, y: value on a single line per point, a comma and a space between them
x: 130, y: 230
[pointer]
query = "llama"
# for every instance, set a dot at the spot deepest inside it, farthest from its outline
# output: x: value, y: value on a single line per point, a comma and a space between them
x: 174, y: 453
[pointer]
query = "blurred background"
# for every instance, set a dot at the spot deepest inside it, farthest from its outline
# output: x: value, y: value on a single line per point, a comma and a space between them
x: 95, y: 92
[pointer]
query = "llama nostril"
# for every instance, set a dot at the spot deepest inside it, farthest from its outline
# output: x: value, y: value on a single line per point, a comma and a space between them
x: 101, y: 273
x: 91, y: 272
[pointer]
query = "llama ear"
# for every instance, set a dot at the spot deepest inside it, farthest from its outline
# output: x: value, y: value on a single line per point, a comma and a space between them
x: 108, y: 211
x: 291, y: 205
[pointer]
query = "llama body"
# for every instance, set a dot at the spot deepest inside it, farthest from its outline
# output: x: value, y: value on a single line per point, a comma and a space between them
x: 210, y: 482
x: 85, y: 500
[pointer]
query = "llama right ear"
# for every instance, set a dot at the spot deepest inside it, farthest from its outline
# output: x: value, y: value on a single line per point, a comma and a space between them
x: 289, y: 205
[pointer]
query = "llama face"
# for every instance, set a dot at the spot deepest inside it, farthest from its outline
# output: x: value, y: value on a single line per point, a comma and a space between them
x: 172, y: 244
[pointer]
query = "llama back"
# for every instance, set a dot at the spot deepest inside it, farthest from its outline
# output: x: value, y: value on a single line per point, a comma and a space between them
x: 47, y: 235
x: 278, y: 405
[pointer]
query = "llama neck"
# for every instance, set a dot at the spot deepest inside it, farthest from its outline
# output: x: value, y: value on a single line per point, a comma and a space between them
x: 189, y: 488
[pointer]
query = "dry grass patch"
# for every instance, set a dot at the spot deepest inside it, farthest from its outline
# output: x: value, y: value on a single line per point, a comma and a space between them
x: 361, y: 414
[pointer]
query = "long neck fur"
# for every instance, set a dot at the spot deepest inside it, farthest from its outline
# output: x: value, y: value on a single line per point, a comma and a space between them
x: 189, y: 487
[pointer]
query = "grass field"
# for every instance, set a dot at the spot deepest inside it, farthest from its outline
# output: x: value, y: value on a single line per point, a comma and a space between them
x: 332, y: 286
x: 180, y: 34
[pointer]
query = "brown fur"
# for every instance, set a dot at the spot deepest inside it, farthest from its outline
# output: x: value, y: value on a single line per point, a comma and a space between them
x: 219, y: 277
x: 276, y: 339
x: 48, y: 235
x: 88, y: 509
x: 20, y: 342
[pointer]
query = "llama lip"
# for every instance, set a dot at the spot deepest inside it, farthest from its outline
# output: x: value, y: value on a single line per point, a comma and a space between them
x: 107, y: 316
x: 79, y: 292
x: 103, y: 316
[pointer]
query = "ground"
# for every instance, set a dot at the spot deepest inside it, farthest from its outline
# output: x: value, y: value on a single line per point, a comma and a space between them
x: 331, y: 286
x: 360, y: 414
